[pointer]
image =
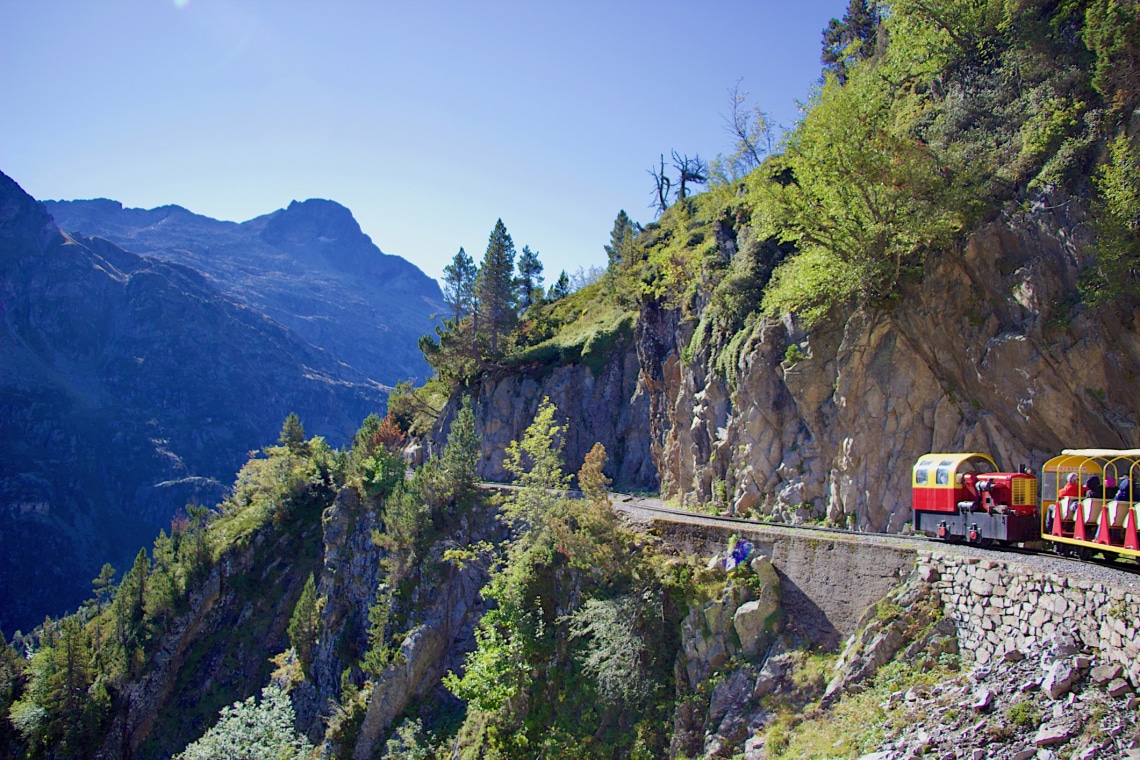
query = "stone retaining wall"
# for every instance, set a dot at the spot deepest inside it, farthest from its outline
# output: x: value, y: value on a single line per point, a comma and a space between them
x: 826, y: 583
x: 1002, y: 607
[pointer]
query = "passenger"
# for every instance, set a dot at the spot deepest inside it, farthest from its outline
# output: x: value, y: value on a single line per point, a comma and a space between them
x: 1093, y: 487
x: 1071, y: 488
x: 1109, y: 484
x: 1124, y: 490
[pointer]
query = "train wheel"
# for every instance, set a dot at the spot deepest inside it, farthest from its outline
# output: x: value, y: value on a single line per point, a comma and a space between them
x: 1084, y: 553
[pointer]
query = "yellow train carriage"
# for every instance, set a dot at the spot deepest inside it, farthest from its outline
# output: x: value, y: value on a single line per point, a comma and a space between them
x: 1089, y: 501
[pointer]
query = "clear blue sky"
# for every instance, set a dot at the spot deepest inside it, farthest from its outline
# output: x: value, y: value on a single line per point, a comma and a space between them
x: 429, y: 120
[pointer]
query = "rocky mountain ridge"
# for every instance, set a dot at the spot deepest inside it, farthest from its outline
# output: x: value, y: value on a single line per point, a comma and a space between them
x: 308, y: 266
x: 130, y: 386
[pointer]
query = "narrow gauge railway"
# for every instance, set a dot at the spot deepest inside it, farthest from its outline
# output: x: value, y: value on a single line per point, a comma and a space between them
x: 1095, y: 570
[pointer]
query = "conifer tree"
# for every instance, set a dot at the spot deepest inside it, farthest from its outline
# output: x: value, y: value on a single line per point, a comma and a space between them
x: 128, y: 606
x: 305, y: 624
x: 292, y: 433
x: 530, y: 278
x: 460, y: 458
x: 459, y: 285
x: 495, y: 284
x: 561, y: 287
x: 104, y: 584
x: 621, y: 239
x: 852, y: 39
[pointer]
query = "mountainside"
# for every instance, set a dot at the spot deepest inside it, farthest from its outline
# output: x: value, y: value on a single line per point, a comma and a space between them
x: 944, y: 256
x: 129, y: 387
x: 308, y: 266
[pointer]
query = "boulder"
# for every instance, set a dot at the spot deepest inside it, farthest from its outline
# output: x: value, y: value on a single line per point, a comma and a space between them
x: 757, y: 621
x: 1059, y: 679
x: 1102, y: 674
x: 1052, y: 734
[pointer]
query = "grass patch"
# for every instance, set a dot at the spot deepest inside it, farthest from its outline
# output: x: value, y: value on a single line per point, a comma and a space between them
x: 857, y: 724
x: 590, y: 328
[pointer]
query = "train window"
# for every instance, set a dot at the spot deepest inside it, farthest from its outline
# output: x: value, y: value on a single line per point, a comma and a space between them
x: 944, y: 468
x: 920, y: 474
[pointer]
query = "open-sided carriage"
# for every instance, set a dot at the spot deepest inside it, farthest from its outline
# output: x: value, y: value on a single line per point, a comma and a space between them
x: 1088, y: 502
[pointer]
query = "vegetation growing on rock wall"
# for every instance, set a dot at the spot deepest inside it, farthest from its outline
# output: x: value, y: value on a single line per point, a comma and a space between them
x: 74, y: 685
x: 575, y: 658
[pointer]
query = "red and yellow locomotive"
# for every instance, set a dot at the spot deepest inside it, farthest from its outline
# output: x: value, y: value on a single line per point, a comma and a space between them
x: 963, y: 497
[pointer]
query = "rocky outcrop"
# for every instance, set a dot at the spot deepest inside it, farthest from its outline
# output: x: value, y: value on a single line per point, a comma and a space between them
x: 911, y: 617
x: 217, y: 650
x: 988, y: 353
x: 606, y: 405
x: 444, y: 631
x: 740, y: 622
x: 737, y: 625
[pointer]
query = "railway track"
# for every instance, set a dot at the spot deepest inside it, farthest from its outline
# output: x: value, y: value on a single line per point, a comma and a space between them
x: 1106, y: 570
x: 1121, y: 572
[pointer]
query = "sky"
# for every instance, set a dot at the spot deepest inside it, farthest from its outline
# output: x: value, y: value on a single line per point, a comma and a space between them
x: 429, y: 120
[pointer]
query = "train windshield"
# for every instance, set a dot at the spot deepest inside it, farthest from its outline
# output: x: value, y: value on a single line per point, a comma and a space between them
x: 945, y: 467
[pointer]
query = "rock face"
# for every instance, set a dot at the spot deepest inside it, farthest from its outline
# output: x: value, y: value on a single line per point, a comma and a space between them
x: 987, y: 353
x: 738, y: 625
x: 308, y: 266
x: 608, y: 407
x: 983, y: 355
x: 128, y: 388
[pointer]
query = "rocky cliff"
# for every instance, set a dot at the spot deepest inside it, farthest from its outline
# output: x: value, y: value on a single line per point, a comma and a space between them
x: 989, y: 352
x: 129, y: 387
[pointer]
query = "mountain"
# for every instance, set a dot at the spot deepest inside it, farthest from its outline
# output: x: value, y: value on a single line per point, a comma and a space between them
x: 308, y: 266
x: 129, y: 387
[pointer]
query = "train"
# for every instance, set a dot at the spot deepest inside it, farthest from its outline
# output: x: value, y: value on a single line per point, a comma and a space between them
x: 1082, y: 502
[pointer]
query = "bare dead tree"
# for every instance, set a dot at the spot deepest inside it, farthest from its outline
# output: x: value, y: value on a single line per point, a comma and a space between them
x: 662, y: 187
x: 752, y: 129
x: 692, y: 170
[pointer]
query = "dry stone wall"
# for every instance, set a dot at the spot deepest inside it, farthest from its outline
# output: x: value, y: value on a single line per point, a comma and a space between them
x: 1004, y: 610
x: 826, y: 583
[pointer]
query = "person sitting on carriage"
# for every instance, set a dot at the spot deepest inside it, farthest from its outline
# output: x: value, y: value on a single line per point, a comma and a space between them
x: 1072, y: 488
x: 1124, y: 490
x: 1093, y: 487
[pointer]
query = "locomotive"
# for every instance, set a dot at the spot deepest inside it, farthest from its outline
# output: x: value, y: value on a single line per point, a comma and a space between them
x: 1083, y: 502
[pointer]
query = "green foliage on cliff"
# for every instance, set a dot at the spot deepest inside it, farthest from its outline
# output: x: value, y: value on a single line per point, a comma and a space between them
x: 62, y: 700
x: 552, y: 676
x: 1116, y: 274
x: 257, y: 729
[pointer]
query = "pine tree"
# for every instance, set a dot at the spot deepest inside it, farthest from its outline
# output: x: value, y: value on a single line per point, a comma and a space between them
x: 623, y: 234
x: 459, y: 285
x: 851, y: 40
x: 460, y: 458
x: 305, y: 624
x: 561, y: 287
x: 530, y: 278
x: 495, y: 288
x: 292, y: 433
x: 128, y: 607
x: 104, y: 584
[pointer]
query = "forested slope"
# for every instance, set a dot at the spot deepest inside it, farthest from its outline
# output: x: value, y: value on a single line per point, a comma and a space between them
x: 943, y: 254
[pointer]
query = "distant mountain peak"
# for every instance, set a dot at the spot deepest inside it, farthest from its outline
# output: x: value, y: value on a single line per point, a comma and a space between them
x: 314, y: 220
x: 22, y: 217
